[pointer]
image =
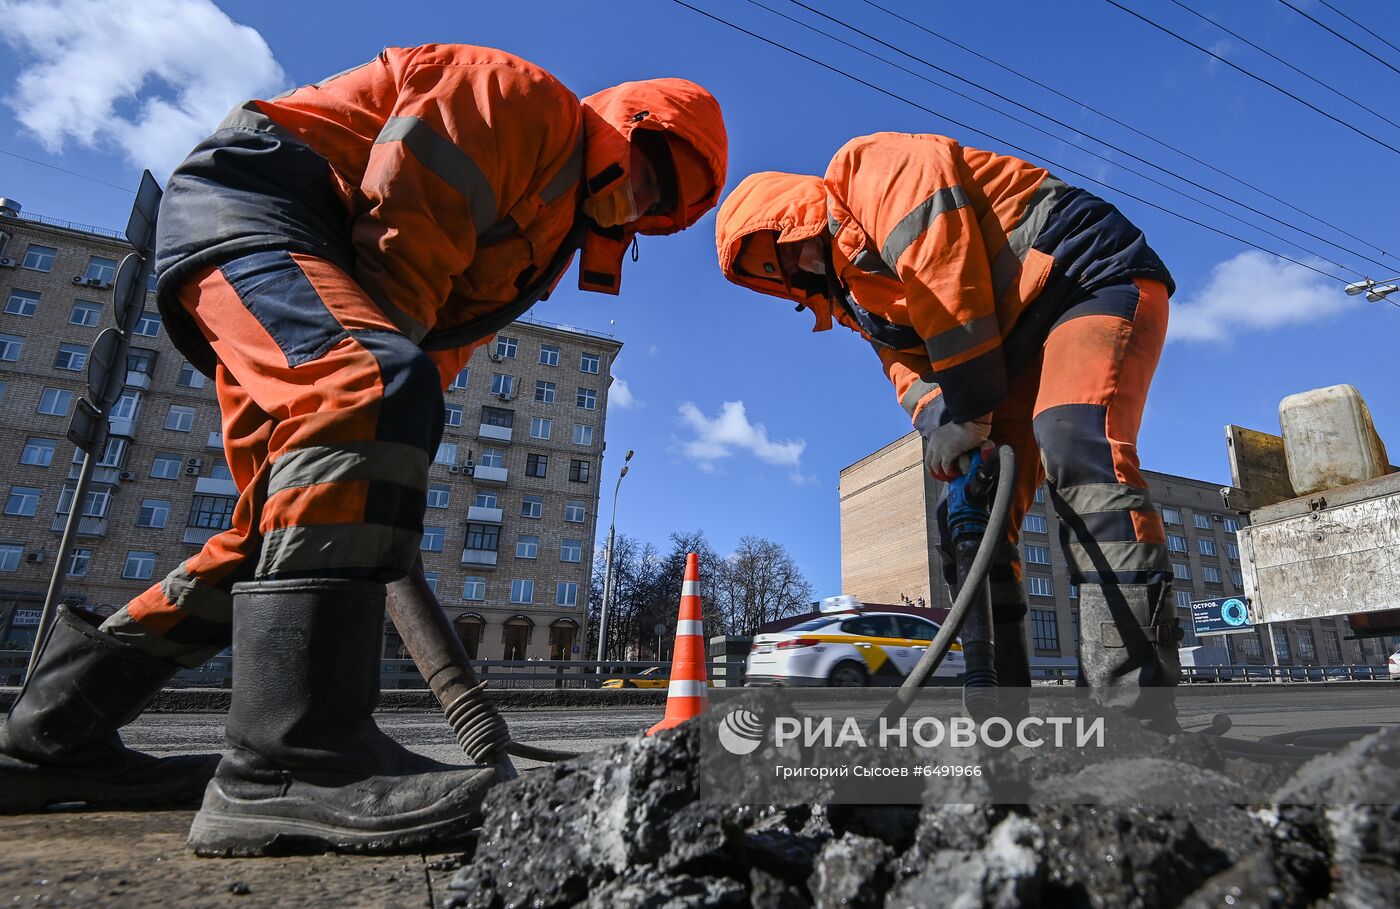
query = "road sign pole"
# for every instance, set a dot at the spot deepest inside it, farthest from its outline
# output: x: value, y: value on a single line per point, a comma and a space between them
x: 59, y: 573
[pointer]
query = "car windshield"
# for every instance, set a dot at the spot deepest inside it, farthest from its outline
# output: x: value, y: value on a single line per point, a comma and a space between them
x: 809, y: 625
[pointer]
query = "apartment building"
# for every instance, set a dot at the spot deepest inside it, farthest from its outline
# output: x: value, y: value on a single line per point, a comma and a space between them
x: 889, y: 554
x: 510, y: 523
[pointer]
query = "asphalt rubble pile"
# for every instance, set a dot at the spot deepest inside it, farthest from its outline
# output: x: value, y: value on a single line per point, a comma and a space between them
x: 626, y: 828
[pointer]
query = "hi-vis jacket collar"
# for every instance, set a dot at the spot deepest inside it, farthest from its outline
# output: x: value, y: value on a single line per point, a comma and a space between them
x: 685, y: 113
x: 767, y: 208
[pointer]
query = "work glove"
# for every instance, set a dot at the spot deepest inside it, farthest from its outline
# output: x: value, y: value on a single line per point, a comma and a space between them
x: 951, y: 441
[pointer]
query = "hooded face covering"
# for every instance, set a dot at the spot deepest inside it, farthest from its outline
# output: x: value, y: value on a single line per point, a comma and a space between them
x: 613, y: 209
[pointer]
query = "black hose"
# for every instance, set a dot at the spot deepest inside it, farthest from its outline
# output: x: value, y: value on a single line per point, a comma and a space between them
x: 938, y: 648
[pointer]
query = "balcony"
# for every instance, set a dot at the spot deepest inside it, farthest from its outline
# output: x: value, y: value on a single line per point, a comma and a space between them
x: 215, y: 486
x: 480, y: 557
x: 484, y: 474
x: 483, y: 515
x: 138, y: 381
x: 498, y: 433
x: 198, y: 536
x: 87, y: 526
x: 119, y: 426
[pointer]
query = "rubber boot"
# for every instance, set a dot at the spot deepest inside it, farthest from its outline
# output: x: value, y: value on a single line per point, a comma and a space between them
x: 60, y: 742
x: 1128, y: 640
x: 307, y: 768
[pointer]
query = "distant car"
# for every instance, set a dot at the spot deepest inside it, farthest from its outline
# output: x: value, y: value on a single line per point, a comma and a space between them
x: 1394, y: 664
x: 847, y: 651
x: 647, y: 678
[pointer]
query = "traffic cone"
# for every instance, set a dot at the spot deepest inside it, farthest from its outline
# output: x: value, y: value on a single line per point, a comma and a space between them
x: 688, y: 693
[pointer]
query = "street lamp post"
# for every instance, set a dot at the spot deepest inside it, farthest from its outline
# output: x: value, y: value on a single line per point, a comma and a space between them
x: 607, y: 567
x: 1374, y: 291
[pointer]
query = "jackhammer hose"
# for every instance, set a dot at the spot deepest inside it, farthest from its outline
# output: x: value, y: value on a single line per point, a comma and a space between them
x: 479, y: 728
x: 971, y: 585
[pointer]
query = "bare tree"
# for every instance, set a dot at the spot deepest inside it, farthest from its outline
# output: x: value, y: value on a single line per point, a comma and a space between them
x: 761, y: 582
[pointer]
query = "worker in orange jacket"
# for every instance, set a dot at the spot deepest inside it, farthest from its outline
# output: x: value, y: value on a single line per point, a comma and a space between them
x: 1005, y: 307
x: 331, y: 257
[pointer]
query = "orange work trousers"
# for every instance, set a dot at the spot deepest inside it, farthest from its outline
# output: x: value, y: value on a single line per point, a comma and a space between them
x: 330, y: 419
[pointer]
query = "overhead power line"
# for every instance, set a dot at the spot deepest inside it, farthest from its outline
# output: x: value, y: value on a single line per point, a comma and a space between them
x: 1260, y: 79
x: 64, y: 170
x: 1236, y: 35
x: 967, y: 126
x: 1110, y: 161
x: 1323, y: 25
x: 1133, y: 129
x: 1360, y: 26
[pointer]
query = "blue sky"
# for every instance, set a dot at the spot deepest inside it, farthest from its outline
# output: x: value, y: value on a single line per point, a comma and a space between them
x: 740, y: 417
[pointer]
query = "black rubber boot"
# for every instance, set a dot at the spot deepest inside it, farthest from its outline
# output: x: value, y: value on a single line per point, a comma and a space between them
x: 60, y: 742
x: 1128, y: 640
x: 307, y: 768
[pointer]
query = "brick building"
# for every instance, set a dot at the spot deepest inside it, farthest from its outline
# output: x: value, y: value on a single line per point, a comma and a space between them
x: 513, y: 493
x: 889, y: 553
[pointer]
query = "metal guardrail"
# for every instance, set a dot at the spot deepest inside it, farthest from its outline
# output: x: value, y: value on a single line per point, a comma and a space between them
x: 1062, y: 675
x: 72, y: 225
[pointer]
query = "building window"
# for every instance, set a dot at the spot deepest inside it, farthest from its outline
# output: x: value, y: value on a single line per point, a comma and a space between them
x: 1181, y: 571
x: 139, y: 565
x: 1281, y: 649
x: 220, y: 471
x: 1188, y: 632
x: 1074, y: 591
x: 446, y: 454
x: 452, y: 415
x: 10, y: 348
x: 79, y: 560
x: 485, y: 499
x: 1045, y: 635
x: 38, y: 452
x: 536, y: 465
x: 1040, y: 495
x: 432, y: 539
x: 113, y: 454
x: 1231, y: 525
x: 566, y: 594
x: 1171, y: 516
x: 85, y: 314
x: 1237, y: 577
x: 1206, y: 547
x: 189, y: 377
x: 474, y: 588
x: 431, y: 579
x: 127, y: 406
x: 527, y: 546
x: 95, y: 503
x: 141, y: 360
x: 502, y: 385
x: 10, y: 556
x: 1033, y: 523
x: 22, y: 303
x: 1176, y: 543
x: 460, y: 380
x: 154, y: 513
x: 498, y: 416
x: 1210, y: 574
x: 505, y: 347
x: 1331, y: 646
x: 571, y: 551
x: 549, y: 355
x: 1038, y: 555
x: 1307, y: 650
x: 72, y: 357
x: 212, y: 512
x: 55, y: 401
x: 588, y: 363
x: 179, y: 419
x: 23, y: 501
x: 522, y: 591
x: 100, y: 268
x: 1202, y: 521
x: 1040, y: 587
x: 583, y: 435
x: 1232, y: 552
x: 166, y: 467
x: 148, y: 326
x: 541, y: 427
x: 573, y: 512
x: 439, y: 494
x: 531, y: 506
x: 39, y: 258
x: 544, y: 392
x: 485, y: 537
x: 492, y: 457
x: 1249, y: 645
x: 586, y: 399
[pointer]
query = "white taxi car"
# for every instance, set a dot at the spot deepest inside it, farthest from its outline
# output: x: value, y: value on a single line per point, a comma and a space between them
x: 847, y: 650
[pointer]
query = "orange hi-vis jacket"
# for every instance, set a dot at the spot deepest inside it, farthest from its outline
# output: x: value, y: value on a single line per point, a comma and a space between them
x: 940, y: 255
x: 445, y: 178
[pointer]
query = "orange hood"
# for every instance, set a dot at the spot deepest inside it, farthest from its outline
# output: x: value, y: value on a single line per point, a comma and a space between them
x: 691, y: 121
x: 767, y: 208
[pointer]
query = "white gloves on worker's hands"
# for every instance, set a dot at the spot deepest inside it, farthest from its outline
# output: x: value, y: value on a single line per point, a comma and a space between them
x: 951, y: 441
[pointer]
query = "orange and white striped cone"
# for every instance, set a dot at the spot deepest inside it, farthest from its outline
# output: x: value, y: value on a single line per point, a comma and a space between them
x: 688, y: 693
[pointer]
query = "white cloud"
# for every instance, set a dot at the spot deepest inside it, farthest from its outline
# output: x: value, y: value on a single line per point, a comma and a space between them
x: 731, y: 431
x: 148, y: 77
x: 1254, y: 292
x: 620, y: 395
